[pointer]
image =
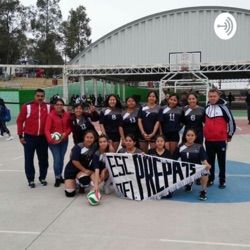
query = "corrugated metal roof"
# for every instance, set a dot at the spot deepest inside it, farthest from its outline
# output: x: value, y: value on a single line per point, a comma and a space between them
x: 149, y: 40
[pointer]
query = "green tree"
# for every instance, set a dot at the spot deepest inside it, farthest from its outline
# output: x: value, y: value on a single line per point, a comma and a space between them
x: 46, y: 32
x: 76, y: 32
x: 14, y: 22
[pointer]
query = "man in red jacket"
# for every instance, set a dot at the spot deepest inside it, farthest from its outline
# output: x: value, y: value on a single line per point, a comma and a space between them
x: 218, y: 130
x: 30, y: 128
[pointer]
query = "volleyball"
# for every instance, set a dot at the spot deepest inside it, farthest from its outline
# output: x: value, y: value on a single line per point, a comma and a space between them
x: 56, y: 136
x: 94, y: 198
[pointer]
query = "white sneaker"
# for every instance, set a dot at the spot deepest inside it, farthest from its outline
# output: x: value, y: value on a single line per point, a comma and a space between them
x: 106, y: 187
x: 10, y: 138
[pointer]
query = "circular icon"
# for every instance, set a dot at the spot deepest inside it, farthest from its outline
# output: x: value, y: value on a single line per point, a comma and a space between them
x: 225, y: 26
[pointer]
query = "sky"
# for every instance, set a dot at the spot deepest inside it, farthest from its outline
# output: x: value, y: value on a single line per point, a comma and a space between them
x: 108, y: 15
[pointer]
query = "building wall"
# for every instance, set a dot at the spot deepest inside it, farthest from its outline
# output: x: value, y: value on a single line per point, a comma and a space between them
x: 149, y: 40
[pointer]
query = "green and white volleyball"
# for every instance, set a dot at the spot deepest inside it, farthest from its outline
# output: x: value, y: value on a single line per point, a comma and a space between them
x: 94, y: 198
x: 56, y: 136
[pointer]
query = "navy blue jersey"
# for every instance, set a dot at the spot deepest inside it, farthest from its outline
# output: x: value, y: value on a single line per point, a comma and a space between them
x: 192, y: 154
x: 130, y: 122
x: 165, y: 154
x: 111, y: 119
x: 98, y: 160
x: 80, y: 126
x: 170, y: 119
x: 194, y: 118
x: 83, y: 155
x: 149, y: 117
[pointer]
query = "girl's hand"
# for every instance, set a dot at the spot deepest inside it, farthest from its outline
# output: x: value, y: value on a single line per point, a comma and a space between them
x: 123, y: 142
x: 95, y: 188
x: 208, y: 166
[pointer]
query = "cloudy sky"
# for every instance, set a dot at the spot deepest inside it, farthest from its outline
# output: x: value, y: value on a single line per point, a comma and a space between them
x: 107, y: 15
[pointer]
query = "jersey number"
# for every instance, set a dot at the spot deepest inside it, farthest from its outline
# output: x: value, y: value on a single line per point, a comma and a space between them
x: 171, y: 117
x: 132, y: 120
x: 192, y: 117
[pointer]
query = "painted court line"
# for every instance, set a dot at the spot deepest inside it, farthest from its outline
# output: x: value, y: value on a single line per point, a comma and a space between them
x: 19, y: 232
x: 206, y: 243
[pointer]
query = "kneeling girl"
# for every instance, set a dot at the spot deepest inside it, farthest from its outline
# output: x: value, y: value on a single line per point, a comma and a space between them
x: 80, y: 164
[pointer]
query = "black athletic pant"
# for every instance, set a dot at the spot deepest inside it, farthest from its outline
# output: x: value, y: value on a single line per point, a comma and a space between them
x: 217, y: 148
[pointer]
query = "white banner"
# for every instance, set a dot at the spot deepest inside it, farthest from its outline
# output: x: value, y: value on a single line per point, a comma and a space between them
x: 140, y: 177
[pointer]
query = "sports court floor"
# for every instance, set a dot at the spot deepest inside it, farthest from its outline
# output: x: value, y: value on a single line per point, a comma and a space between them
x: 43, y: 218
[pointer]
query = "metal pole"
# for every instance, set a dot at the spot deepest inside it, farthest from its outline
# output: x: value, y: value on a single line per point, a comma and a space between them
x: 65, y: 86
x: 95, y: 87
x: 82, y: 85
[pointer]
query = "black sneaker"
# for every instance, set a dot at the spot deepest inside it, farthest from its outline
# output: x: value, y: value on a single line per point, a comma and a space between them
x: 43, y: 182
x: 62, y: 180
x: 210, y: 183
x: 188, y: 188
x: 203, y: 195
x: 57, y: 183
x: 32, y: 184
x: 198, y: 182
x: 81, y: 189
x: 222, y: 184
x: 169, y: 196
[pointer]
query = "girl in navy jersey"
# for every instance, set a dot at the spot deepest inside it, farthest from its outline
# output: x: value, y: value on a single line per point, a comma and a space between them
x: 192, y: 152
x: 111, y: 120
x: 148, y: 122
x: 194, y: 116
x: 100, y: 171
x: 81, y: 121
x: 160, y: 149
x: 129, y: 119
x: 80, y: 164
x: 171, y: 117
x: 130, y: 145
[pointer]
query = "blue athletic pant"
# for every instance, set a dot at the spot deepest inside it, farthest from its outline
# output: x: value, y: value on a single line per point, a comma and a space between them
x: 39, y: 145
x: 217, y: 148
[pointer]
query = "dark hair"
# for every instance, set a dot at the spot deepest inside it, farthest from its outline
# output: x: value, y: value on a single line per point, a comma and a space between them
x: 77, y: 105
x: 134, y: 139
x: 177, y: 97
x: 131, y: 97
x: 118, y: 103
x: 194, y: 94
x: 160, y: 136
x: 103, y: 136
x: 39, y: 90
x: 184, y: 140
x: 91, y: 132
x: 60, y: 100
x: 214, y: 90
x: 106, y: 137
x: 154, y: 94
x: 2, y: 102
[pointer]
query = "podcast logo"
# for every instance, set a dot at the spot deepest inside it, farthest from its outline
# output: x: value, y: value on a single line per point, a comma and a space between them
x: 225, y: 26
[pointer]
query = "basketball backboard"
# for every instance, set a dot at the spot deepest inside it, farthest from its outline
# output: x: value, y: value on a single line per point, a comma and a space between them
x: 185, y: 61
